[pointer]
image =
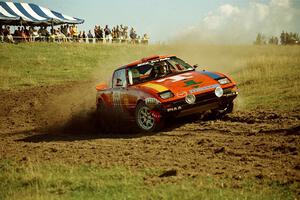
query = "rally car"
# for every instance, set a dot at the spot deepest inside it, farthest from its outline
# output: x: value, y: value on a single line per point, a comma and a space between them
x: 156, y: 88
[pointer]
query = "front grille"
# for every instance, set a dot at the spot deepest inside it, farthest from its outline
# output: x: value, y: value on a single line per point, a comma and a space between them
x: 205, y: 97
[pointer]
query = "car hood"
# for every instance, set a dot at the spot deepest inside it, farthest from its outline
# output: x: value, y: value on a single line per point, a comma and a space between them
x: 184, y: 83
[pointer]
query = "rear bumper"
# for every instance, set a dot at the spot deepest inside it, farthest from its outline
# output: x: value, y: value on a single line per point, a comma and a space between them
x: 204, y: 102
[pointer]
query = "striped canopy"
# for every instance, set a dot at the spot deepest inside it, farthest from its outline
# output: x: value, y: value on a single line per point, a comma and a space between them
x: 13, y: 13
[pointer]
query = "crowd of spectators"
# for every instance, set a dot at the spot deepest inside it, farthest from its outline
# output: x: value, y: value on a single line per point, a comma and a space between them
x: 68, y: 33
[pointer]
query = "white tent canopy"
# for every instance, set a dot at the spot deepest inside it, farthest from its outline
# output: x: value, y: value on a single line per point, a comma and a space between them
x: 13, y: 13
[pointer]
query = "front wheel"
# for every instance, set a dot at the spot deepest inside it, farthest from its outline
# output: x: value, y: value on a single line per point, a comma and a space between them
x: 147, y: 120
x: 220, y: 113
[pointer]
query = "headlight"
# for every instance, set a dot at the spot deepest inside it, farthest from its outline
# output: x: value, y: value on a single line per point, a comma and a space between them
x: 166, y: 95
x: 190, y: 98
x: 218, y: 91
x: 224, y: 81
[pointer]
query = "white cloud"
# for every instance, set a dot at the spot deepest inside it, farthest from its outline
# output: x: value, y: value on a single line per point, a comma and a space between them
x: 281, y: 3
x: 228, y: 10
x: 263, y: 11
x: 232, y: 24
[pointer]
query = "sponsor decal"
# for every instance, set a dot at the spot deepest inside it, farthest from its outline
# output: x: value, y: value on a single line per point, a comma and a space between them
x: 200, y: 89
x: 117, y: 101
x: 176, y: 78
x: 156, y: 115
x: 174, y: 109
x: 157, y: 87
x: 211, y: 74
x: 181, y: 94
x: 191, y: 83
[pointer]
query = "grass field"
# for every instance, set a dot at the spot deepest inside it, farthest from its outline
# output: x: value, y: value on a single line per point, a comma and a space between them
x: 268, y: 77
x: 53, y: 181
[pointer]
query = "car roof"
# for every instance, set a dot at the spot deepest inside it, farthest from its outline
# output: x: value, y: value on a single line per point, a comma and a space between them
x: 144, y: 60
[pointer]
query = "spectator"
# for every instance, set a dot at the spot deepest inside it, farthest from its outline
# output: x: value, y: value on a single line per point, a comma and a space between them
x: 52, y: 35
x: 118, y: 33
x: 17, y: 32
x: 7, y: 35
x: 107, y: 33
x: 133, y: 36
x: 145, y: 39
x: 33, y: 34
x: 90, y: 35
x: 43, y: 33
x: 60, y: 36
x: 74, y: 32
x: 24, y: 34
x: 1, y: 34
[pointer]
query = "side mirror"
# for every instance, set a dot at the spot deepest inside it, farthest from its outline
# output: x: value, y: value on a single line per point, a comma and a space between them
x: 195, y: 66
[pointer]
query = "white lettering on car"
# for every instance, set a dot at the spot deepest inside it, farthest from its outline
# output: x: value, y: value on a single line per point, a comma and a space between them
x: 174, y: 109
x: 195, y: 90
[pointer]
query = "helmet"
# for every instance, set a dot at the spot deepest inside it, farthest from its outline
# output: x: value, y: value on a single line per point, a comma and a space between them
x: 162, y: 69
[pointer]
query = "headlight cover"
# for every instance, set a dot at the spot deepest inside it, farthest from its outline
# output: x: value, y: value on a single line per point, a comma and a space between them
x: 224, y: 81
x: 218, y: 91
x: 190, y: 98
x: 166, y: 95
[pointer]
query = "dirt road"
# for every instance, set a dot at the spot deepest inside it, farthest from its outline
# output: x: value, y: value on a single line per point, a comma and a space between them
x: 55, y: 124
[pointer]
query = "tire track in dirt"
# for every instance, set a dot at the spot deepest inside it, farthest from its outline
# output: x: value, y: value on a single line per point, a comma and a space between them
x: 54, y: 124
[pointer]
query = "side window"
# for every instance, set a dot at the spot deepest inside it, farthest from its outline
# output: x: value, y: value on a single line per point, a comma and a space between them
x: 119, y: 79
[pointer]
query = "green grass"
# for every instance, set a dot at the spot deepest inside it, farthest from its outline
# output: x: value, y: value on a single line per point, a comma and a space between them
x: 36, y: 64
x: 50, y: 181
x: 267, y: 76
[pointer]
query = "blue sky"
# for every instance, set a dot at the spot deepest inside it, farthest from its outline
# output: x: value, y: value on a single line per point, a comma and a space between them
x: 164, y: 19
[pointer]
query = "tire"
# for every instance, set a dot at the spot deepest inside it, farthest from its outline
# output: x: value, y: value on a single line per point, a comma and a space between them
x: 144, y: 119
x: 220, y: 113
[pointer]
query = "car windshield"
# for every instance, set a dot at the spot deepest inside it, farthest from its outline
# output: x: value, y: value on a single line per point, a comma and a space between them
x: 157, y: 69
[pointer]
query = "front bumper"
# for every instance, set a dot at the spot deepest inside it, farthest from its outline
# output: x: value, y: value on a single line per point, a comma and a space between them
x: 204, y: 102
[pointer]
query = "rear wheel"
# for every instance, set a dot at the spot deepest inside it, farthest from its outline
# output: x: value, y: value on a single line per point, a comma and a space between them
x: 145, y: 119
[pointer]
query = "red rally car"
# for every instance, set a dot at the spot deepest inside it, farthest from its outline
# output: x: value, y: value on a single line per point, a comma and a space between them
x: 154, y: 88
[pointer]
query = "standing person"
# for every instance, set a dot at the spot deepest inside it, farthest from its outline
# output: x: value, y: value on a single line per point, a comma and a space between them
x: 132, y: 35
x: 100, y: 32
x: 145, y: 39
x: 74, y: 33
x: 107, y: 33
x: 96, y: 32
x: 118, y: 35
x: 1, y: 34
x: 90, y: 36
x: 7, y: 35
x: 24, y: 34
x: 84, y: 36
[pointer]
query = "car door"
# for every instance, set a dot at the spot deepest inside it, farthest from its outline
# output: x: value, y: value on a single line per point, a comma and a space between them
x: 119, y: 85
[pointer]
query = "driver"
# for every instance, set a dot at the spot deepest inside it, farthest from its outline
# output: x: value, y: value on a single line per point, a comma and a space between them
x: 160, y: 70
